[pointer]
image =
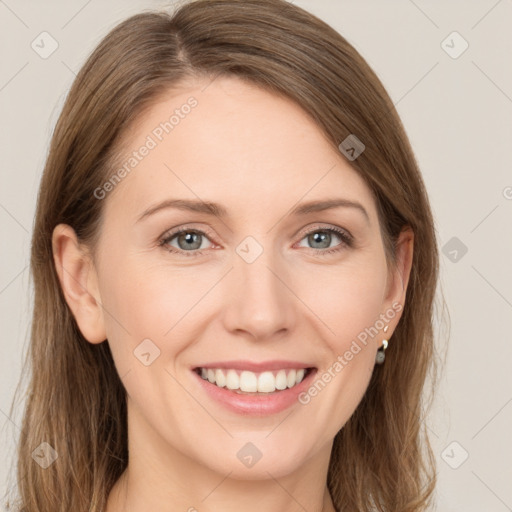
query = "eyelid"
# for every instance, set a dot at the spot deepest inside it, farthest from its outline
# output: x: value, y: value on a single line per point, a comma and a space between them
x: 345, y: 236
x: 320, y: 226
x: 171, y: 233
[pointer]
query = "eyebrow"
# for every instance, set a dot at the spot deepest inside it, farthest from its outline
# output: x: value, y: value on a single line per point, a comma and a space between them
x: 210, y: 208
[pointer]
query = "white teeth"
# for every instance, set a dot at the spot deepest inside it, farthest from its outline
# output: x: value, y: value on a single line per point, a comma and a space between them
x: 232, y: 380
x: 266, y: 383
x: 291, y: 378
x: 281, y: 380
x: 250, y: 382
x: 220, y: 378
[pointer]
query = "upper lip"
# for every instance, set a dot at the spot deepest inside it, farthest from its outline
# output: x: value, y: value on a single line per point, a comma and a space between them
x: 255, y: 367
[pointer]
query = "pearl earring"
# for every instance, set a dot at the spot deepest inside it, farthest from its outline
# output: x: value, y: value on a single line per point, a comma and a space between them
x: 380, y: 356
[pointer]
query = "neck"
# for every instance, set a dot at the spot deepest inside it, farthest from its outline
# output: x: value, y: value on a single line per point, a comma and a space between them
x: 125, y: 497
x: 161, y: 477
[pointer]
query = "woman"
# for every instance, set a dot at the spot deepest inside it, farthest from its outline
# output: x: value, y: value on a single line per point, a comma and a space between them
x: 234, y: 264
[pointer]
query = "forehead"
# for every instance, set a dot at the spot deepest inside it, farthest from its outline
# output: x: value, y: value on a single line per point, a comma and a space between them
x: 234, y: 143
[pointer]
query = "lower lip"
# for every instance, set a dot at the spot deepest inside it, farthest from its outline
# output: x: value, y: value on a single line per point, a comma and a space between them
x: 257, y: 405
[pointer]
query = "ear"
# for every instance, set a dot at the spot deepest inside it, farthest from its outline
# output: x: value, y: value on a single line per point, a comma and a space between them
x: 79, y: 283
x: 398, y: 277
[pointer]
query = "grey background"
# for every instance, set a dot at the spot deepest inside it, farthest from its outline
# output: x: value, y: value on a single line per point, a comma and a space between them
x: 458, y: 115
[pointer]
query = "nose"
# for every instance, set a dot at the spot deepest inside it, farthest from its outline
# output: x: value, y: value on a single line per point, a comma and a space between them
x: 260, y: 301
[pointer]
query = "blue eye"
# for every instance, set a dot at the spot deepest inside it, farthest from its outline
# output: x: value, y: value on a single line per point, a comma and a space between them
x: 189, y: 238
x: 190, y: 241
x: 325, y: 234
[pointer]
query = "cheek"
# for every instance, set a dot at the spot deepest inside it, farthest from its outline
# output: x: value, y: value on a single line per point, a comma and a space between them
x: 348, y: 298
x: 350, y: 304
x: 144, y: 304
x: 148, y: 302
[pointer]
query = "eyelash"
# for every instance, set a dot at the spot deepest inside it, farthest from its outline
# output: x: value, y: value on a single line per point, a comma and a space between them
x: 346, y: 241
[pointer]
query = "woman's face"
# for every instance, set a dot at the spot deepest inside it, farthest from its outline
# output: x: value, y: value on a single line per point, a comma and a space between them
x: 261, y: 286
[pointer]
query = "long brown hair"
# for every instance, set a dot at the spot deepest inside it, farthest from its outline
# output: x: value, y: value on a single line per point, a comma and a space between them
x: 76, y: 402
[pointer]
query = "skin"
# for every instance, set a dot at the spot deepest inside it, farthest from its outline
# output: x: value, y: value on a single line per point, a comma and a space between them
x: 258, y: 155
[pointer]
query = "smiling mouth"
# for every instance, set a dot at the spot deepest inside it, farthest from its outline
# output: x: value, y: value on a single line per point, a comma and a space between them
x: 252, y: 383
